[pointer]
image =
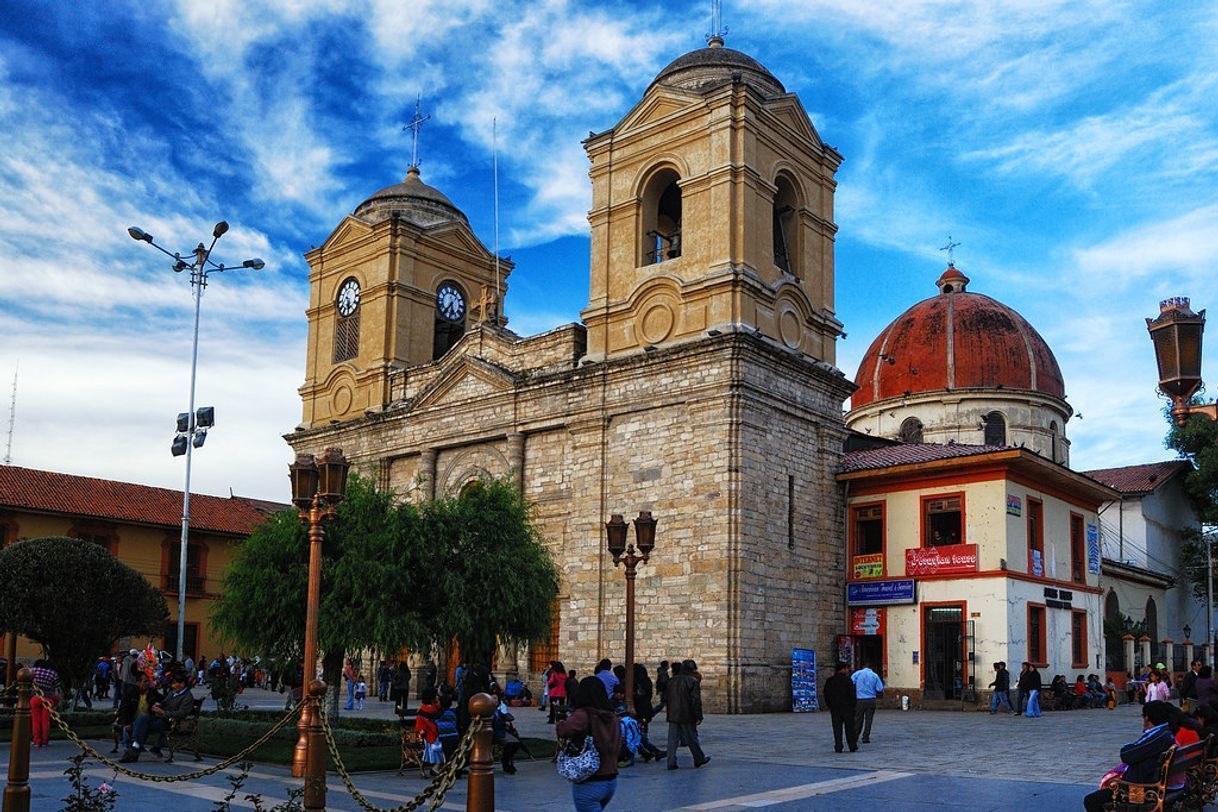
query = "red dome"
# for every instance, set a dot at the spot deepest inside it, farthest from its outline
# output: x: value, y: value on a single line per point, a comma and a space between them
x: 957, y: 340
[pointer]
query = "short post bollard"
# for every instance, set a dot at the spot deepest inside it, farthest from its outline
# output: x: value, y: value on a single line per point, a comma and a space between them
x: 315, y: 760
x: 480, y: 795
x: 17, y: 791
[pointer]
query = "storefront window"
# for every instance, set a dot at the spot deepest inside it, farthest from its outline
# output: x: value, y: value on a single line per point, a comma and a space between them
x: 944, y: 522
x: 867, y: 541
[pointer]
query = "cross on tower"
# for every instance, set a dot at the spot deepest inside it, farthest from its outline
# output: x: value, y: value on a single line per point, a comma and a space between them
x: 950, y: 248
x: 414, y: 125
x: 487, y: 307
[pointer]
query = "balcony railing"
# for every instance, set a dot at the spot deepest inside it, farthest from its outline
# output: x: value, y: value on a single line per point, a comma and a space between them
x: 195, y: 584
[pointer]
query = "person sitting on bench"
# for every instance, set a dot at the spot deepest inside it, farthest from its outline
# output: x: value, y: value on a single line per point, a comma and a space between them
x: 1141, y: 757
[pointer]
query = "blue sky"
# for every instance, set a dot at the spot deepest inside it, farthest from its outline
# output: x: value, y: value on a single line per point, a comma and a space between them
x: 1071, y: 146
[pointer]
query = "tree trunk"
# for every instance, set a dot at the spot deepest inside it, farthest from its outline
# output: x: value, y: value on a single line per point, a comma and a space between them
x: 332, y: 675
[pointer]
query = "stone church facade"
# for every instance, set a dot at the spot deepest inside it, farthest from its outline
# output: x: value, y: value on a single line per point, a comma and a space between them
x: 700, y: 384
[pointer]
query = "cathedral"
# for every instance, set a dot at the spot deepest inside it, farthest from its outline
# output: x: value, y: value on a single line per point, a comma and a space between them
x: 700, y: 383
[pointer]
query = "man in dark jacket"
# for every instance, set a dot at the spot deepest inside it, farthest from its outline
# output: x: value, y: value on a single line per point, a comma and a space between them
x: 1143, y: 756
x: 1188, y: 689
x: 684, y: 700
x: 1002, y: 688
x: 138, y: 699
x: 400, y: 680
x: 841, y: 701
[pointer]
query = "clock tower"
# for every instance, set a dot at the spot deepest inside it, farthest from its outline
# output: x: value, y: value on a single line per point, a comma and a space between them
x: 390, y: 288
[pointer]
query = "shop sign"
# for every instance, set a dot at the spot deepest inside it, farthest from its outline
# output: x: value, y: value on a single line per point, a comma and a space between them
x: 880, y: 593
x: 869, y: 566
x: 1093, y: 548
x: 867, y: 620
x: 953, y: 558
x: 845, y: 649
x: 1014, y: 506
x: 1038, y: 563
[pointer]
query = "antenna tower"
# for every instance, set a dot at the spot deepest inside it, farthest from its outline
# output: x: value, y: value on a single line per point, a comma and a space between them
x: 495, y: 164
x: 12, y: 418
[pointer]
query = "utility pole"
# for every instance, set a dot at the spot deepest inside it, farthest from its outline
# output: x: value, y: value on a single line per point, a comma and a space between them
x: 12, y: 418
x: 1209, y: 601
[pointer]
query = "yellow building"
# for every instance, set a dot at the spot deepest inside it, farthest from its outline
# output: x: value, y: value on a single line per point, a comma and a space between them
x: 141, y: 525
x: 962, y: 556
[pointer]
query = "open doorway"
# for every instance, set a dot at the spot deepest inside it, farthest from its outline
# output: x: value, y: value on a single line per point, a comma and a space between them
x: 943, y: 646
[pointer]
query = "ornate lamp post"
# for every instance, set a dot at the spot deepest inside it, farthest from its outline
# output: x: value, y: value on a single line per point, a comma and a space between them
x: 645, y: 535
x: 317, y: 488
x: 1177, y: 334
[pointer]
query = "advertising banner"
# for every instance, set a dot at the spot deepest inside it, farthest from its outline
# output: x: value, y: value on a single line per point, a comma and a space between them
x: 880, y: 593
x: 941, y: 560
x: 1093, y: 548
x: 803, y: 680
x: 867, y: 620
x: 869, y: 566
x: 1014, y: 506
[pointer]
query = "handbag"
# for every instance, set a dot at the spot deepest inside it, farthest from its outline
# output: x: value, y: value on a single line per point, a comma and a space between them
x: 580, y: 765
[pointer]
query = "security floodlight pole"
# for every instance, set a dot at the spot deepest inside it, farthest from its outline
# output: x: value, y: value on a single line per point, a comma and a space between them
x: 199, y: 271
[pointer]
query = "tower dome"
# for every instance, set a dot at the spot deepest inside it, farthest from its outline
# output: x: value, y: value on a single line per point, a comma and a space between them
x: 413, y: 200
x: 714, y: 65
x: 962, y: 367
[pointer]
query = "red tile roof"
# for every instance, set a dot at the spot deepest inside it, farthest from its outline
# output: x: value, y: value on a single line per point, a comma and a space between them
x: 911, y: 454
x: 50, y: 492
x: 1136, y: 480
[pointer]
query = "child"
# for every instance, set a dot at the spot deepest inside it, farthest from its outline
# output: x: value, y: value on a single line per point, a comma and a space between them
x: 361, y: 691
x: 425, y: 723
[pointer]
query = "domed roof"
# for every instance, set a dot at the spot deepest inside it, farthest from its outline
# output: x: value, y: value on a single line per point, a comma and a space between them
x: 957, y: 340
x: 413, y: 200
x: 714, y: 65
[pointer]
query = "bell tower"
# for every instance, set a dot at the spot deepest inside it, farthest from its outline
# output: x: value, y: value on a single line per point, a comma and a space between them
x: 397, y: 284
x: 712, y: 211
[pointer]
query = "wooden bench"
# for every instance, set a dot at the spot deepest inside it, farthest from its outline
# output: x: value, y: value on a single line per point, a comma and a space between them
x: 183, y: 734
x: 1203, y: 777
x: 1156, y: 797
x: 412, y: 750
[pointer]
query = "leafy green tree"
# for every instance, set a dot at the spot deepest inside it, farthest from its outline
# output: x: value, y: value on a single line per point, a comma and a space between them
x: 1197, y: 442
x: 496, y: 574
x: 75, y: 600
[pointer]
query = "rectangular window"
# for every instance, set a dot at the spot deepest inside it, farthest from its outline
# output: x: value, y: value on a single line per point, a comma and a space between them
x: 1036, y: 634
x: 196, y: 581
x: 943, y: 524
x: 868, y: 530
x: 1036, y: 536
x: 100, y: 539
x: 346, y: 338
x: 1078, y: 639
x: 1078, y: 549
x: 190, y: 639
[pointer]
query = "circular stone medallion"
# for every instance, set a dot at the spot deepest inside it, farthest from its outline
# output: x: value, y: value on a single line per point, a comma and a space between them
x: 656, y: 323
x: 341, y: 399
x: 790, y: 329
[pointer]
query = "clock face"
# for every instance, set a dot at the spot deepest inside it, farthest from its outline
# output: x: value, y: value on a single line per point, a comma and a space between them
x: 348, y: 297
x: 450, y: 303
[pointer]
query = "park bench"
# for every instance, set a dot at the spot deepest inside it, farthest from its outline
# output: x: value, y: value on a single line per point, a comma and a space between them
x: 183, y: 734
x: 1156, y: 797
x: 412, y: 746
x: 1203, y: 777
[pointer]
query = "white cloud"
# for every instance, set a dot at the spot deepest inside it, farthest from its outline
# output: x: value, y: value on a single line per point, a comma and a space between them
x: 1181, y: 248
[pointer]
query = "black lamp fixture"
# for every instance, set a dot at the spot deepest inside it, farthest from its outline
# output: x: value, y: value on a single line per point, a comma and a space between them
x: 1188, y: 632
x: 1177, y: 335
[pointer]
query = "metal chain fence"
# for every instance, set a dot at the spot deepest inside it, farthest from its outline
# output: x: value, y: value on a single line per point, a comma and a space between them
x: 433, y: 792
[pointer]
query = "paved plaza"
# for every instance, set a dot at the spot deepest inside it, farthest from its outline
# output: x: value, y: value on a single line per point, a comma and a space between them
x: 918, y: 760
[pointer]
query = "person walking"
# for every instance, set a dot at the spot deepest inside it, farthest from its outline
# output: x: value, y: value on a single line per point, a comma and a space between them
x: 662, y: 678
x: 557, y: 687
x: 1188, y: 688
x: 1034, y: 685
x: 592, y: 715
x: 684, y: 700
x: 349, y: 677
x: 383, y: 675
x: 46, y: 679
x: 1002, y: 689
x: 361, y: 692
x: 868, y: 688
x: 841, y: 700
x: 400, y: 687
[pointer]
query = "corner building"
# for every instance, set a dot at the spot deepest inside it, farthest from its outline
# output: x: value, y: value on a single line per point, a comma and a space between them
x: 700, y: 384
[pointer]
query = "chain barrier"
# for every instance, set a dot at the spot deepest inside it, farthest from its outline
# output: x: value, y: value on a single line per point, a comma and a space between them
x: 433, y: 792
x: 168, y: 779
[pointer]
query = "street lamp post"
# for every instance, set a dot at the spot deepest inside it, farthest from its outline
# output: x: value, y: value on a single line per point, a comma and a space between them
x: 645, y: 535
x: 192, y: 426
x: 1177, y: 334
x: 317, y: 489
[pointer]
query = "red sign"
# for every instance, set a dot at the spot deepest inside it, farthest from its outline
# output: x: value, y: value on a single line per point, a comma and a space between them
x: 941, y: 560
x: 867, y: 620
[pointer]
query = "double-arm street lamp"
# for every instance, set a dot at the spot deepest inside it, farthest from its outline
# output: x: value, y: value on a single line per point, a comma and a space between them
x: 645, y: 535
x: 192, y: 425
x: 317, y: 489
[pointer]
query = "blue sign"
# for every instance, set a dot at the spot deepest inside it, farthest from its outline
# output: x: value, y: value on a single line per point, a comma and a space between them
x: 1093, y: 548
x: 880, y: 593
x: 803, y: 681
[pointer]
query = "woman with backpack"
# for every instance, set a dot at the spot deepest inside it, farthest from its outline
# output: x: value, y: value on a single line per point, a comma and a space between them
x: 593, y: 716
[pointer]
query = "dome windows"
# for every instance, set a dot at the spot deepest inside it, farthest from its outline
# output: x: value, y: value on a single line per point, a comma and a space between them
x: 995, y: 429
x: 661, y: 237
x: 911, y: 430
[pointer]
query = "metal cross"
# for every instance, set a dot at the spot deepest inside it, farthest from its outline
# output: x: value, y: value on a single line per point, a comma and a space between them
x: 414, y: 125
x: 717, y: 29
x: 487, y: 307
x: 950, y: 248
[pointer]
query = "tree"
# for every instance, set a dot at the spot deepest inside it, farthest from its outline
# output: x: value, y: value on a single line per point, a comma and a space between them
x: 75, y: 599
x: 498, y: 578
x: 371, y: 559
x: 1197, y: 442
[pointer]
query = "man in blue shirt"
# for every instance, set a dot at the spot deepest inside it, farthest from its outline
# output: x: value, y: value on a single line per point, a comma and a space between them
x: 604, y: 672
x: 868, y: 687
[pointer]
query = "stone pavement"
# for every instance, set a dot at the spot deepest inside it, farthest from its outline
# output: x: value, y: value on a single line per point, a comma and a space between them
x: 917, y: 761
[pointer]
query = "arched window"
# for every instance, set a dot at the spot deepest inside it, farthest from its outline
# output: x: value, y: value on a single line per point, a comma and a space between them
x: 911, y: 430
x: 661, y: 218
x: 995, y: 429
x: 786, y: 235
x: 1053, y: 438
x: 1114, y: 642
x: 450, y: 319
